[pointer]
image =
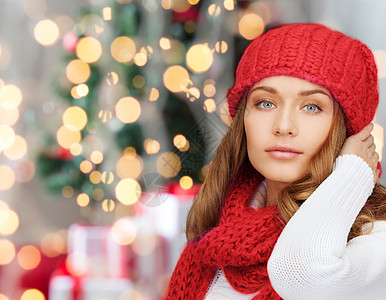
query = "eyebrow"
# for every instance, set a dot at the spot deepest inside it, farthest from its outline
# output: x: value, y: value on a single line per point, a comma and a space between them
x: 300, y: 94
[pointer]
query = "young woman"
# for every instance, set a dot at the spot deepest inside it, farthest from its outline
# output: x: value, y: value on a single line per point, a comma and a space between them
x: 291, y: 207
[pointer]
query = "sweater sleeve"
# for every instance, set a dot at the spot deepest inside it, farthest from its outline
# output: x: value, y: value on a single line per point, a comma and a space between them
x: 312, y: 259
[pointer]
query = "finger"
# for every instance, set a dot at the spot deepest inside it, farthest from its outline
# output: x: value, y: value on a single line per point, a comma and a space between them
x: 365, y: 132
x: 372, y: 148
x: 369, y: 141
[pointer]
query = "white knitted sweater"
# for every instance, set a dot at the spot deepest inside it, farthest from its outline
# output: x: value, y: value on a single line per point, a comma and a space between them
x: 312, y: 259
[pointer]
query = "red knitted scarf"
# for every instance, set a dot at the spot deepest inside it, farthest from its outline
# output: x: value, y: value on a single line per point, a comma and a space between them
x: 240, y: 245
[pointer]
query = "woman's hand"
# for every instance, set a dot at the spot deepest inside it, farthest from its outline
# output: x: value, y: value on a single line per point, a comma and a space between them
x: 362, y: 145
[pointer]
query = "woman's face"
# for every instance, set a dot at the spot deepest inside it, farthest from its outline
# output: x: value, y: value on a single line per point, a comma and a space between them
x: 286, y: 121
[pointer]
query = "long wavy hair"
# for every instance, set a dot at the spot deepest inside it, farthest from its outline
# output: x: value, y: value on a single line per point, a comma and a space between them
x: 231, y: 154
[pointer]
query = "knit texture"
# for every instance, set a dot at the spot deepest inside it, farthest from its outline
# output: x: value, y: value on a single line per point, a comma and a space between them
x: 240, y: 245
x: 313, y: 52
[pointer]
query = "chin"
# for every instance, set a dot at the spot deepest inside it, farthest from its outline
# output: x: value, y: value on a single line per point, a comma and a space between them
x: 285, y: 175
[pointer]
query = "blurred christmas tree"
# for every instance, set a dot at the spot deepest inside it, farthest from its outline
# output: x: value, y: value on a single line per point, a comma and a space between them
x: 142, y: 81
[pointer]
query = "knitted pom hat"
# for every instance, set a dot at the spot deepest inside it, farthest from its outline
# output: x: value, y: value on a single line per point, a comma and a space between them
x: 342, y: 65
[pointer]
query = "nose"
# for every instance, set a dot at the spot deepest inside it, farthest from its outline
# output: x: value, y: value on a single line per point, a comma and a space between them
x: 285, y: 123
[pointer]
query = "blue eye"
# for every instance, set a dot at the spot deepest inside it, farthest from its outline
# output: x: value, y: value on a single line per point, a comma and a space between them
x: 265, y: 105
x: 312, y: 108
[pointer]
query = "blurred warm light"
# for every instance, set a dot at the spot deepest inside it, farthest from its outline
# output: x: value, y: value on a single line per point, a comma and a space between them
x: 124, y: 231
x: 203, y: 172
x: 140, y: 59
x: 180, y: 141
x: 53, y: 244
x: 224, y: 114
x: 147, y: 50
x: 180, y: 5
x: 108, y: 205
x: 262, y: 9
x: 229, y: 4
x: 7, y: 252
x: 186, y: 182
x: 76, y: 149
x: 7, y: 178
x: 128, y: 191
x: 129, y: 166
x: 95, y: 177
x: 123, y: 49
x: 105, y: 115
x: 8, y: 116
x: 83, y: 200
x: 96, y: 157
x: 89, y: 49
x: 251, y: 26
x: 210, y: 105
x: 129, y: 294
x: 9, y: 222
x: 138, y: 81
x: 82, y: 90
x: 66, y: 137
x: 144, y: 243
x: 221, y: 47
x: 154, y: 94
x: 380, y: 60
x: 195, y: 92
x: 75, y: 118
x: 98, y: 194
x: 175, y: 55
x: 28, y: 257
x: 166, y: 4
x: 193, y: 2
x: 199, y: 58
x: 25, y: 171
x: 214, y: 10
x: 74, y: 93
x: 10, y: 96
x: 378, y: 134
x: 106, y: 12
x: 46, y: 32
x: 77, y: 71
x: 35, y: 8
x: 3, y: 297
x: 168, y: 164
x: 107, y: 177
x: 85, y: 166
x: 32, y: 294
x: 112, y: 78
x: 67, y: 191
x: 164, y: 43
x: 209, y: 90
x: 76, y: 269
x: 130, y: 151
x: 151, y: 146
x: 128, y: 109
x: 176, y: 79
x: 7, y: 137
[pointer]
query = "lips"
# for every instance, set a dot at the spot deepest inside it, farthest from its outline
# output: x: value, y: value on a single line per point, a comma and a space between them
x: 283, y: 152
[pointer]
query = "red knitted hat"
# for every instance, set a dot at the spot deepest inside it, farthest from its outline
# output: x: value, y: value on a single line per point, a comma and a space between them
x: 313, y: 52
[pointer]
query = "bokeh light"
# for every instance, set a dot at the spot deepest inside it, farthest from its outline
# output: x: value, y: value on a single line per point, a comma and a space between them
x: 124, y: 231
x: 214, y: 10
x: 7, y: 252
x: 108, y: 205
x: 107, y: 177
x: 85, y: 166
x: 83, y: 200
x: 17, y: 150
x: 77, y: 71
x: 112, y: 78
x: 7, y: 176
x: 199, y: 58
x: 9, y: 222
x: 176, y: 79
x: 154, y: 94
x: 89, y: 49
x: 46, y: 32
x: 128, y: 191
x: 28, y: 257
x: 221, y: 47
x: 75, y: 118
x: 10, y: 96
x: 8, y: 116
x: 53, y: 244
x: 3, y: 297
x: 129, y: 166
x: 128, y: 109
x: 251, y: 26
x: 95, y: 177
x: 106, y: 12
x: 7, y: 137
x: 210, y: 105
x: 66, y: 137
x: 186, y: 182
x: 123, y: 49
x: 151, y: 146
x: 144, y: 243
x: 168, y: 164
x: 229, y: 4
x: 32, y: 294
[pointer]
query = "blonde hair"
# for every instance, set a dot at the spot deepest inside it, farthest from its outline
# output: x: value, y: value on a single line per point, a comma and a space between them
x: 231, y: 154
